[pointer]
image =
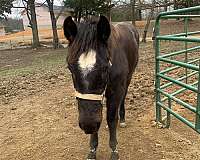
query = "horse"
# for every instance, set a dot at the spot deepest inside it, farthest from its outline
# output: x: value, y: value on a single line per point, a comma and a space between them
x: 101, y: 58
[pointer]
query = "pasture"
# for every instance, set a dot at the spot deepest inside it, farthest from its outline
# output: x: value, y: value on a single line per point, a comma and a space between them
x: 38, y: 112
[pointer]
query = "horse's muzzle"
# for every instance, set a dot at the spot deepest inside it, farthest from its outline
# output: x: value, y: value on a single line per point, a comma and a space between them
x: 90, y: 128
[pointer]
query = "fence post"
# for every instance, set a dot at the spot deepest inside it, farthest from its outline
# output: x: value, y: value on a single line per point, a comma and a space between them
x: 168, y: 113
x: 11, y: 45
x: 157, y: 70
x: 186, y: 46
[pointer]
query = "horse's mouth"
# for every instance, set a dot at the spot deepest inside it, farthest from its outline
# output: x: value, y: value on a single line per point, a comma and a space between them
x: 90, y: 132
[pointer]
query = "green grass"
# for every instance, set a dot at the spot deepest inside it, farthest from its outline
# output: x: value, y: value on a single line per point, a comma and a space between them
x: 39, y: 63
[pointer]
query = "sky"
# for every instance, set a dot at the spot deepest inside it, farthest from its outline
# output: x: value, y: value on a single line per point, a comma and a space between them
x: 16, y: 12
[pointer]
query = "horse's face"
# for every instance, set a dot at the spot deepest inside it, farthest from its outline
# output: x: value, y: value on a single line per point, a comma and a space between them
x: 90, y: 75
x: 89, y: 65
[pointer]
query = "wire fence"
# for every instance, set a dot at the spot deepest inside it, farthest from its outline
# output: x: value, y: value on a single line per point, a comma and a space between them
x: 24, y: 39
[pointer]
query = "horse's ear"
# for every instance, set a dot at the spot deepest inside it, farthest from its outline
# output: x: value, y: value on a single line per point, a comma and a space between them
x: 70, y: 29
x: 103, y: 29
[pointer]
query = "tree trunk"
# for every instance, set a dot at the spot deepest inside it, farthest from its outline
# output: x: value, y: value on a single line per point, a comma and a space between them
x: 140, y: 10
x: 76, y: 14
x: 60, y: 12
x: 54, y: 25
x: 165, y: 5
x: 139, y: 14
x: 133, y: 11
x: 175, y: 5
x: 79, y: 15
x: 148, y: 22
x: 36, y: 43
x: 109, y: 10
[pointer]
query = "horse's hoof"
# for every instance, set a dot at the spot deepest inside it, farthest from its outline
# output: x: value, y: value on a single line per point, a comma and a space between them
x: 91, y: 156
x: 122, y: 124
x: 114, y: 156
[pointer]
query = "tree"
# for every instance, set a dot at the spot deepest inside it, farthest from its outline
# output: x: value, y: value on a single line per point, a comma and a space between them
x: 148, y: 21
x: 109, y: 9
x: 165, y: 1
x: 175, y: 4
x: 133, y: 11
x: 83, y: 9
x: 5, y: 7
x: 29, y: 6
x: 186, y: 3
x: 53, y: 22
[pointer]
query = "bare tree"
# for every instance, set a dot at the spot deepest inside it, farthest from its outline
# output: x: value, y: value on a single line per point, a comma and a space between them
x: 133, y: 11
x: 143, y: 5
x: 60, y: 13
x: 165, y: 7
x: 148, y: 21
x: 53, y: 23
x: 140, y: 9
x: 29, y: 6
x: 109, y: 9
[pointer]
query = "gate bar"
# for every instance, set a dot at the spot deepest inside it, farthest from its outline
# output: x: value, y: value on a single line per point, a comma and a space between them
x: 178, y: 116
x: 184, y: 39
x: 178, y: 83
x: 176, y: 67
x: 181, y: 64
x: 190, y: 107
x: 183, y: 34
x: 180, y: 91
x: 179, y: 16
x: 180, y: 52
x: 184, y: 10
x: 179, y: 79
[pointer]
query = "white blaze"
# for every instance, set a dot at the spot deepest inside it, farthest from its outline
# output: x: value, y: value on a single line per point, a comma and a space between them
x: 87, y: 61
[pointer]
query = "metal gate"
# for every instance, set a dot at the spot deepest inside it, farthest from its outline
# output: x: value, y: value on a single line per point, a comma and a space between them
x: 177, y: 71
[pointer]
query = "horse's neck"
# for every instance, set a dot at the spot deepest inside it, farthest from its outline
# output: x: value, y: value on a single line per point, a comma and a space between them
x: 113, y: 42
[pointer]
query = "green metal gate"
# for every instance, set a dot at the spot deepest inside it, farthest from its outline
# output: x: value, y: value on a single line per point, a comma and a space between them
x: 177, y: 71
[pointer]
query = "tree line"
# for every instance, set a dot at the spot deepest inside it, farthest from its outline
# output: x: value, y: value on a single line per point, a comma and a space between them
x: 84, y: 9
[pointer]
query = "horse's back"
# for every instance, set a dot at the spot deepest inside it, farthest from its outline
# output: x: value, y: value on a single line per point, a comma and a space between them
x: 128, y: 40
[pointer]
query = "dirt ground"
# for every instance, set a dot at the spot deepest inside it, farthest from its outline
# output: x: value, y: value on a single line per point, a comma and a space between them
x: 38, y: 113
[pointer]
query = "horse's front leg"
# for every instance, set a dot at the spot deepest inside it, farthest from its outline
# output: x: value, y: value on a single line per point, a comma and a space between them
x: 112, y: 120
x: 93, y: 146
x: 114, y: 99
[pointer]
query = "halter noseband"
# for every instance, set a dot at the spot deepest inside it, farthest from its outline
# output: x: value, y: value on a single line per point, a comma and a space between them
x: 93, y: 97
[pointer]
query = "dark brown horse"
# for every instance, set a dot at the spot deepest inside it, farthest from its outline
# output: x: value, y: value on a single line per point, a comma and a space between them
x: 102, y: 59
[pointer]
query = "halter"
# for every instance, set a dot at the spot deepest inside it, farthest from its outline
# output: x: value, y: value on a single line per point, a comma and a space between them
x: 93, y: 97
